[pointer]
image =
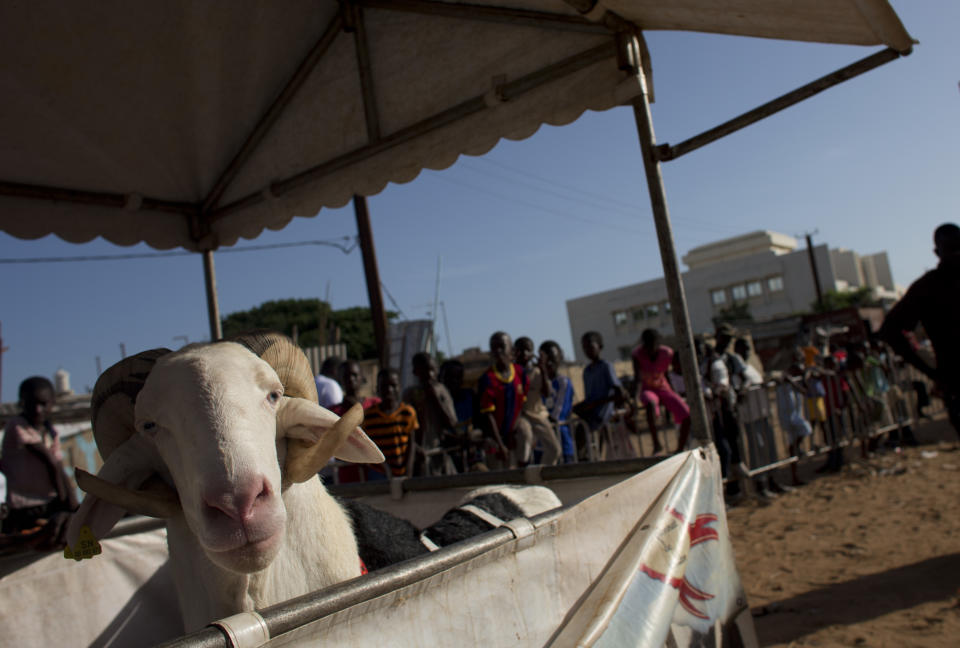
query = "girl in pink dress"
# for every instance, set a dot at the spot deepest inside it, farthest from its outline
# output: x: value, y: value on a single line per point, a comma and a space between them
x: 651, y: 360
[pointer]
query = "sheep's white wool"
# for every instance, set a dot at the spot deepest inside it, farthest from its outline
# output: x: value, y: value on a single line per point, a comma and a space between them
x: 213, y: 424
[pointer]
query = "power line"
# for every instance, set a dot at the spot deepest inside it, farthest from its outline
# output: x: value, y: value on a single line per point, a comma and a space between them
x: 340, y: 244
x: 393, y: 301
x: 541, y: 208
x: 614, y: 206
x: 595, y: 199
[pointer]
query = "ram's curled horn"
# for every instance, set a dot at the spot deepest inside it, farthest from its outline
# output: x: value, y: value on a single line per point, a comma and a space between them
x: 286, y: 358
x: 155, y: 499
x: 305, y: 458
x: 114, y: 396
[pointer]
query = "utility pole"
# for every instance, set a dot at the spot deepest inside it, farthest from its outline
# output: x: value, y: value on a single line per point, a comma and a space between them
x: 436, y: 301
x: 123, y: 350
x: 446, y: 328
x: 369, y: 254
x: 813, y: 267
x: 2, y: 350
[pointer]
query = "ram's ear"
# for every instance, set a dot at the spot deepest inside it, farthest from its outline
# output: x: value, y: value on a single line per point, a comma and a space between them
x: 316, y: 434
x: 113, y: 491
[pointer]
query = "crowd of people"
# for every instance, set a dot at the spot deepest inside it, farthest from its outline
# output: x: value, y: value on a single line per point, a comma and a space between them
x: 515, y: 415
x: 522, y: 409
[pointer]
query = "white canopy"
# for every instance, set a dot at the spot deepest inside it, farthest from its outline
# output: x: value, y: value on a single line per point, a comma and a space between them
x: 192, y: 124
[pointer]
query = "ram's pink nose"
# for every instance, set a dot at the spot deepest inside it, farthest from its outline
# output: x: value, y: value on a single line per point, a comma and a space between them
x: 239, y: 501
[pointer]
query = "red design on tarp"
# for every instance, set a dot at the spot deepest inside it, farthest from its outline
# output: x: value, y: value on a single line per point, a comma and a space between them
x: 699, y: 531
x: 686, y: 590
x: 671, y: 539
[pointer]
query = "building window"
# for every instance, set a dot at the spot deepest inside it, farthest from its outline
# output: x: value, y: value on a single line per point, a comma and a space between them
x: 625, y: 352
x: 739, y: 292
x: 718, y: 296
x: 653, y: 311
x: 666, y: 308
x: 619, y: 318
x: 637, y: 314
x: 775, y: 284
x: 755, y: 288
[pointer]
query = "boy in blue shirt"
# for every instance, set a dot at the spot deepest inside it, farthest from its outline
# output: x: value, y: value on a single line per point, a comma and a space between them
x: 602, y: 389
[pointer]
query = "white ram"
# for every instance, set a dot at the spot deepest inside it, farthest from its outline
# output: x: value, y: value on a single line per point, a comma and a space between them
x: 224, y: 440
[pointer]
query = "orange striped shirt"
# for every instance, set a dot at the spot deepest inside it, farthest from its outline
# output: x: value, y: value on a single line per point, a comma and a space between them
x: 393, y: 433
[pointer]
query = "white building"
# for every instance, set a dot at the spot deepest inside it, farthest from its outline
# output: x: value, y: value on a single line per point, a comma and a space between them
x: 763, y: 271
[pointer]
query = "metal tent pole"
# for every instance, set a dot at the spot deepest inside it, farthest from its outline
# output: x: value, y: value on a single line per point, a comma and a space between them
x: 700, y: 422
x: 213, y: 308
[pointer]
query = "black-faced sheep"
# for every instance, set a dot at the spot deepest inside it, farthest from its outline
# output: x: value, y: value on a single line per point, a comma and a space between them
x: 384, y: 539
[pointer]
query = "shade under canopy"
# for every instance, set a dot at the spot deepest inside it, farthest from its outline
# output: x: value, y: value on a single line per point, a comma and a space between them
x: 192, y: 124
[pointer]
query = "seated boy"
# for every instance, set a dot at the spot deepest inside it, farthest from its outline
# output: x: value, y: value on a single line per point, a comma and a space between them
x: 534, y: 414
x: 38, y: 493
x: 602, y: 389
x: 435, y: 412
x: 560, y: 401
x: 391, y: 424
x: 501, y: 392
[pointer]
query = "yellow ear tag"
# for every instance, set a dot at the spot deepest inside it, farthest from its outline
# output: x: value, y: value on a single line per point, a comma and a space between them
x: 87, y: 546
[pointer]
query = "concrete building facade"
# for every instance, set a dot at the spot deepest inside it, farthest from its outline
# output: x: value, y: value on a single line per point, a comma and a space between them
x: 762, y: 271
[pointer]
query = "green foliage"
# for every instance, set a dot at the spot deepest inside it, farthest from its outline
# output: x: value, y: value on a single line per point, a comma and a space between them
x: 355, y: 324
x: 836, y: 300
x: 735, y: 312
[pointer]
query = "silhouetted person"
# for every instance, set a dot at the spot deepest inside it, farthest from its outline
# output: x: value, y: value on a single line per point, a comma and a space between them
x: 932, y: 301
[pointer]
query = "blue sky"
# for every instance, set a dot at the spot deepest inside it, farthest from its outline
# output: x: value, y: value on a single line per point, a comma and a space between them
x: 871, y: 164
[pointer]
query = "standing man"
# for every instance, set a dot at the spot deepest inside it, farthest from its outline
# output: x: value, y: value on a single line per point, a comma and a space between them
x: 931, y: 301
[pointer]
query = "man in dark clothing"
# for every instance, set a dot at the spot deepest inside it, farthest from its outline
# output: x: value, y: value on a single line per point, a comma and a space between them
x: 932, y: 301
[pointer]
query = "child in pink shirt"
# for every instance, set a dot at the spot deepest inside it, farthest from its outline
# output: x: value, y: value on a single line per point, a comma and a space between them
x: 651, y: 361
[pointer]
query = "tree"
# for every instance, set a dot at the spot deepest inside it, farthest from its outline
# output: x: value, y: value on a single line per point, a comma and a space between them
x: 355, y: 325
x: 837, y: 300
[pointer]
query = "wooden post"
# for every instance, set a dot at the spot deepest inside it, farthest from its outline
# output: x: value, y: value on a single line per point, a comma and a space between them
x: 372, y: 273
x: 213, y: 308
x: 700, y: 422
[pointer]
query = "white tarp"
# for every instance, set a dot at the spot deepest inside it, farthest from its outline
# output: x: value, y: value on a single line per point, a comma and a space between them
x: 625, y: 567
x: 141, y: 106
x: 645, y: 557
x: 124, y: 597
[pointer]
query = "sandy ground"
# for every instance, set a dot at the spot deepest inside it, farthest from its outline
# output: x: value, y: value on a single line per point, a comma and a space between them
x: 866, y: 557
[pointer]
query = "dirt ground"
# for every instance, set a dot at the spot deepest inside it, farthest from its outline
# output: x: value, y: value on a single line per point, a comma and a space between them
x: 866, y: 557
